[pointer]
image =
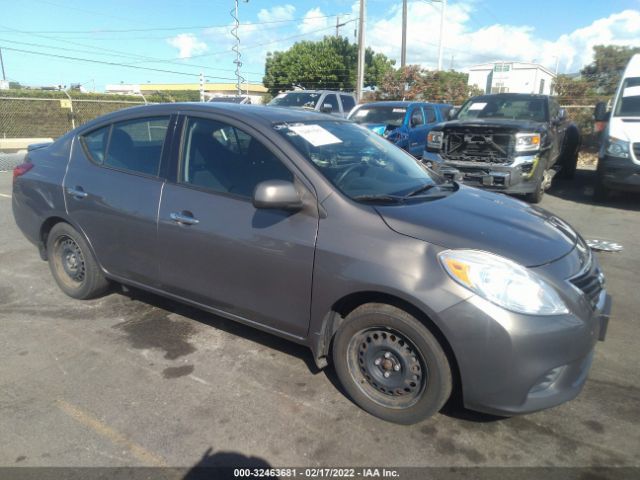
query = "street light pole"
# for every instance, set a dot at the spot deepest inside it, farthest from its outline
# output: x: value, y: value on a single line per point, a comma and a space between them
x: 403, y: 51
x: 442, y: 13
x: 4, y: 77
x: 361, y: 50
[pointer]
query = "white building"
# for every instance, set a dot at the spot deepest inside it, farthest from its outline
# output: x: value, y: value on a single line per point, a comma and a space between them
x: 513, y: 77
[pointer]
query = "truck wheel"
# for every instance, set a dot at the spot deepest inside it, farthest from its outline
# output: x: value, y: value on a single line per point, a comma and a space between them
x: 72, y: 264
x: 569, y: 159
x: 537, y: 194
x: 391, y: 365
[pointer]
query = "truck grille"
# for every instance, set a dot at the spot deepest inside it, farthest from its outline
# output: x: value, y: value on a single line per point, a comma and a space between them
x: 478, y: 147
x: 590, y: 283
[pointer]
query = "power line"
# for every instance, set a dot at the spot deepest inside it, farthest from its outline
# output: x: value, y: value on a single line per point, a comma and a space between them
x: 89, y: 60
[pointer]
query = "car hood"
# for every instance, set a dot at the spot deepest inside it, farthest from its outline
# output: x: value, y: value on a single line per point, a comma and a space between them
x: 494, y: 123
x: 475, y: 219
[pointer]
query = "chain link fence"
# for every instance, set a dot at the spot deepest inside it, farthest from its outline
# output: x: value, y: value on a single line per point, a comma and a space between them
x: 24, y: 117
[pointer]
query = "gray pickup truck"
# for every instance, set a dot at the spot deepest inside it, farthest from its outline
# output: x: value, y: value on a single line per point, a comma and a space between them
x: 507, y: 142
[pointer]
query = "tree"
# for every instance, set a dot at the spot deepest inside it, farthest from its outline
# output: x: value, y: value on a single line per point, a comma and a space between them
x: 414, y: 83
x: 608, y: 64
x: 572, y: 91
x: 330, y: 63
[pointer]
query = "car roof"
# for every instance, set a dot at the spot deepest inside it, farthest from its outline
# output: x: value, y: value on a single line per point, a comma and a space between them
x: 319, y: 91
x: 248, y: 113
x: 404, y: 103
x: 512, y: 96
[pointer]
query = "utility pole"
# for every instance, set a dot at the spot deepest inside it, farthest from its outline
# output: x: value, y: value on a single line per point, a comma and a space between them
x: 201, y: 87
x: 361, y: 49
x: 4, y: 77
x: 442, y: 13
x: 337, y: 26
x: 403, y: 50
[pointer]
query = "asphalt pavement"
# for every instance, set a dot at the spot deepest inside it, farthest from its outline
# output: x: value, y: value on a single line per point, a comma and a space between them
x: 134, y: 379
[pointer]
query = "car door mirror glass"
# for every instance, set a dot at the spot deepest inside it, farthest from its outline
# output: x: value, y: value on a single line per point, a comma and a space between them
x: 277, y: 194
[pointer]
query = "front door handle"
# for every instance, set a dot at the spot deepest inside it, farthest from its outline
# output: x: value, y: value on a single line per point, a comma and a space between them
x: 184, y: 218
x: 77, y: 192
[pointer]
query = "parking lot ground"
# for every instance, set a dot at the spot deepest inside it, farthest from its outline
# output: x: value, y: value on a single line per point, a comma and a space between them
x: 133, y: 379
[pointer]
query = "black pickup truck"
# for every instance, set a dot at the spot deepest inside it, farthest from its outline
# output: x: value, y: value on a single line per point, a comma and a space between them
x: 509, y: 142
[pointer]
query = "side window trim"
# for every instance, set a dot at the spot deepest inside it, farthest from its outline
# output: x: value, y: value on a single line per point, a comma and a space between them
x: 85, y: 148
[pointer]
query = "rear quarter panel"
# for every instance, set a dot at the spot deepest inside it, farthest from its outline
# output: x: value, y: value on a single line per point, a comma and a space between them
x: 38, y: 195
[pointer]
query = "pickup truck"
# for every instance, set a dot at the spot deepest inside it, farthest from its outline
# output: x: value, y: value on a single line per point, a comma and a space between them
x: 508, y: 142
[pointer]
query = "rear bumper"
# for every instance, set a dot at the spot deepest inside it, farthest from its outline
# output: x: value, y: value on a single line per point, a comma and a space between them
x: 619, y: 173
x: 513, y: 364
x: 519, y: 177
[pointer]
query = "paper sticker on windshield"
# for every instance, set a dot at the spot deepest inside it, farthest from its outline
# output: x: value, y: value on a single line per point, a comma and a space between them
x: 477, y: 106
x: 631, y: 91
x: 360, y: 113
x: 315, y: 135
x: 399, y: 110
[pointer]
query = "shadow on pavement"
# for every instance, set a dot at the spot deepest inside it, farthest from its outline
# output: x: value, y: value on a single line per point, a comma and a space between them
x: 580, y: 189
x: 224, y: 465
x: 249, y: 333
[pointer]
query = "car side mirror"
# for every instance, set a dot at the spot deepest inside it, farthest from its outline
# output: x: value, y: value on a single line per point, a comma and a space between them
x: 452, y: 114
x: 600, y: 113
x: 326, y: 108
x: 277, y: 194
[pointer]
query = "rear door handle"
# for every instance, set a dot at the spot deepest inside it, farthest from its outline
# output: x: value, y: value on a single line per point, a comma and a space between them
x: 77, y: 192
x: 184, y: 218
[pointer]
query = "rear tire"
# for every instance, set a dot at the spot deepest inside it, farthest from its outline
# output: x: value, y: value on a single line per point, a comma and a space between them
x: 72, y: 264
x: 569, y: 159
x: 391, y: 365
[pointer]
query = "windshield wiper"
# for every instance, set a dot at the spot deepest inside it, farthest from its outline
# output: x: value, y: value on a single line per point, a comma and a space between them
x: 420, y: 189
x: 377, y: 198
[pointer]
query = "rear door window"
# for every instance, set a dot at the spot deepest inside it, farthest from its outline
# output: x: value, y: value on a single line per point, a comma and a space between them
x: 95, y: 143
x: 136, y: 145
x: 347, y: 103
x: 430, y: 113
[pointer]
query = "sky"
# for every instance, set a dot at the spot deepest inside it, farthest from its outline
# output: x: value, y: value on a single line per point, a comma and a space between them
x: 94, y: 43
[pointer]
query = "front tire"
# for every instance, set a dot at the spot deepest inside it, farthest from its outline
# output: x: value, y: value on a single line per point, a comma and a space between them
x: 72, y: 264
x: 537, y: 194
x: 391, y: 365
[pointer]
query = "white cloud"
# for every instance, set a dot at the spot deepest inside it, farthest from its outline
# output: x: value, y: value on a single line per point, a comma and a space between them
x: 277, y: 13
x: 314, y: 20
x: 187, y: 45
x: 470, y: 44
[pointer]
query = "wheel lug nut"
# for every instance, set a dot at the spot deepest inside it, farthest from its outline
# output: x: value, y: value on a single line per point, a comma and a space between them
x: 387, y: 355
x: 386, y: 374
x: 377, y: 362
x: 397, y: 368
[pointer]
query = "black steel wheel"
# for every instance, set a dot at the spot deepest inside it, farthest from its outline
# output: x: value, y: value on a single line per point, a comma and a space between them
x: 72, y: 264
x: 390, y: 364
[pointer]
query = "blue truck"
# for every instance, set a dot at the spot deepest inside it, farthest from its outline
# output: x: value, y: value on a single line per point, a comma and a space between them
x: 405, y: 124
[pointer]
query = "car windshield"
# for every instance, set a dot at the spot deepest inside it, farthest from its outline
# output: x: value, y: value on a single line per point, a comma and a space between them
x: 296, y: 99
x: 504, y: 107
x: 628, y: 104
x: 360, y: 163
x: 385, y: 115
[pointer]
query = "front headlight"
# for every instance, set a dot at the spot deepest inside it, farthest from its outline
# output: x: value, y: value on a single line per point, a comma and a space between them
x: 617, y: 148
x: 434, y: 140
x: 527, y: 142
x: 503, y: 282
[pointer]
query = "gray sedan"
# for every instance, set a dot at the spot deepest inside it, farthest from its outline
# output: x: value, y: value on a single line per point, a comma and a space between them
x: 315, y: 229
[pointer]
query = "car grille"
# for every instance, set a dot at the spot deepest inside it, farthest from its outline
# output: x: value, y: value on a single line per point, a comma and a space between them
x: 591, y: 283
x: 636, y: 150
x: 478, y: 147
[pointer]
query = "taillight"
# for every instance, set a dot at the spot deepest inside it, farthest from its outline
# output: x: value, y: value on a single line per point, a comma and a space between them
x: 21, y: 169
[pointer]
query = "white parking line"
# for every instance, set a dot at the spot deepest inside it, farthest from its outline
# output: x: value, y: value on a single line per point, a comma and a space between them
x: 4, y: 195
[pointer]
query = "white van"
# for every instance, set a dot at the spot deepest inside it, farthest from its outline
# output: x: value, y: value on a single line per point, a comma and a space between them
x: 619, y: 157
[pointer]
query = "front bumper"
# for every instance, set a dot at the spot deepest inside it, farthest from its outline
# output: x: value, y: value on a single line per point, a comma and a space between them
x: 513, y: 364
x: 619, y: 173
x: 519, y: 177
